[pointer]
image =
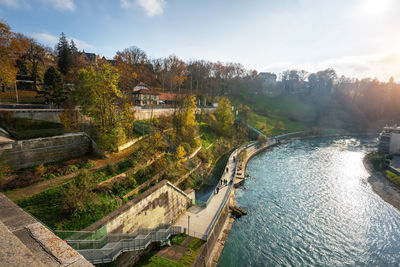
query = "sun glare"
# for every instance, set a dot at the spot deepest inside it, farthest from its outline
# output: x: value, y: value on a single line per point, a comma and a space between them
x: 376, y: 7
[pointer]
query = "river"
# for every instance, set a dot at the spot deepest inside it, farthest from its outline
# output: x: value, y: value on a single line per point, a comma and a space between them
x: 309, y: 204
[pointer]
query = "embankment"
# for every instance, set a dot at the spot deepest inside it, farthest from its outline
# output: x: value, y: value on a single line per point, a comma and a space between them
x: 32, y: 152
x: 381, y: 185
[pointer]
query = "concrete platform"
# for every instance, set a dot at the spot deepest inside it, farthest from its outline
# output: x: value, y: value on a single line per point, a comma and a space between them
x: 26, y: 242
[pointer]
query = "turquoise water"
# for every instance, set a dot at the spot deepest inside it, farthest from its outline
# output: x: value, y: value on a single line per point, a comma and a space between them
x: 309, y: 204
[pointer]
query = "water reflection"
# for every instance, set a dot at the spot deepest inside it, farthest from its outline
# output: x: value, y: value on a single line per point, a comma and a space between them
x: 309, y: 204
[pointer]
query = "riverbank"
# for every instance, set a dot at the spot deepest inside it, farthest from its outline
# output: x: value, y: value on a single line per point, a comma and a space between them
x: 217, y: 249
x: 388, y: 191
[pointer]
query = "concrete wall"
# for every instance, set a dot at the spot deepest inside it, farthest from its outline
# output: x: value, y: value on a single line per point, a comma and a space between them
x: 163, y: 203
x: 53, y: 114
x: 31, y: 152
x: 36, y: 114
x: 394, y: 143
x: 147, y: 114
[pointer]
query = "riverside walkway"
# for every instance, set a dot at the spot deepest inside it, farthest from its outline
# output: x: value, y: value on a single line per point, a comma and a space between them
x: 200, y: 221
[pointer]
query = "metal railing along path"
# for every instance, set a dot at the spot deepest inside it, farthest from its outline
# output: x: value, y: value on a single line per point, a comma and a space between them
x: 109, y: 247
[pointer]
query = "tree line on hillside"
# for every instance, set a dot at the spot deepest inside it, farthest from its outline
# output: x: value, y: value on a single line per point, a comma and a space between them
x: 360, y: 103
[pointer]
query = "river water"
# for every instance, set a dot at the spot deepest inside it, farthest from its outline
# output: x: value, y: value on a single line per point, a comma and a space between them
x: 309, y: 204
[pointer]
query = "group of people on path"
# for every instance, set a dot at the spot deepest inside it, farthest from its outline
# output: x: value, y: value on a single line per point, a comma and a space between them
x: 224, y: 181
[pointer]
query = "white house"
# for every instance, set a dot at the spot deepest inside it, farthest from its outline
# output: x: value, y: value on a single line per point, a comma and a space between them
x: 389, y: 140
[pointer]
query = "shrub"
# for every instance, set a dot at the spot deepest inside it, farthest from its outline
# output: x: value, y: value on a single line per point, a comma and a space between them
x: 178, y: 239
x: 117, y: 188
x: 131, y: 181
x: 48, y: 176
x: 72, y: 168
x: 4, y: 170
x: 187, y: 147
x: 281, y: 126
x: 111, y: 168
x: 262, y: 140
x: 78, y: 194
x: 40, y: 170
x: 110, y: 140
x: 392, y: 177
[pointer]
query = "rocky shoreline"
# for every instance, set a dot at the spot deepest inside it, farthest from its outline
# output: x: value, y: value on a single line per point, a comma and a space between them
x: 388, y: 191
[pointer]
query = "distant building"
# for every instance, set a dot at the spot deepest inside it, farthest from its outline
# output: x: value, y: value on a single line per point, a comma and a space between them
x: 112, y: 62
x: 168, y: 98
x: 90, y: 58
x: 389, y: 140
x: 140, y: 86
x: 143, y: 96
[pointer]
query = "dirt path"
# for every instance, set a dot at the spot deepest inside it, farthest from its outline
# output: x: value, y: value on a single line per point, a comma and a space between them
x: 44, y: 185
x: 382, y: 186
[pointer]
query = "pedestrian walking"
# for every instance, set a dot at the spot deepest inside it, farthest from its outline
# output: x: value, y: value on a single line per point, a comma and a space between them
x: 217, y: 189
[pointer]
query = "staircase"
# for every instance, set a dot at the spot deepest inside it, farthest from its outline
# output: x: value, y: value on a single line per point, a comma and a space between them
x: 110, y: 246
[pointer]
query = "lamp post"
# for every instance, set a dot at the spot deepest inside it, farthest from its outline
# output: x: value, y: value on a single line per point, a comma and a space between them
x: 16, y: 91
x: 188, y: 223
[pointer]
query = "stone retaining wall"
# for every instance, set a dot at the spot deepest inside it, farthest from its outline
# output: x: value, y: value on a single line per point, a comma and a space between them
x: 32, y: 152
x: 163, y: 203
x: 52, y: 115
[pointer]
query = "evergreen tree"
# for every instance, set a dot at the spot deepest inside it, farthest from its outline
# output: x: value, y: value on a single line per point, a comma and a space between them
x: 64, y: 58
x: 53, y: 87
x: 72, y: 47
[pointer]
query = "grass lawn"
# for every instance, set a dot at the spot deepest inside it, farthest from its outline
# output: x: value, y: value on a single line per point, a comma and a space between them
x: 207, y: 136
x: 392, y: 177
x: 153, y: 260
x: 28, y: 97
x: 275, y: 125
x: 178, y: 239
x: 21, y: 128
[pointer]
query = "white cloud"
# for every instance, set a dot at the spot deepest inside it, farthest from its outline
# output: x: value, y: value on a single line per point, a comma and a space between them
x: 82, y: 45
x: 382, y: 66
x: 10, y: 3
x: 45, y: 38
x: 51, y: 40
x: 151, y: 7
x: 14, y: 3
x: 62, y: 5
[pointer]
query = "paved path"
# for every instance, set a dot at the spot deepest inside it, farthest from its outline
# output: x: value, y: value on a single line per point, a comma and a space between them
x: 200, y: 220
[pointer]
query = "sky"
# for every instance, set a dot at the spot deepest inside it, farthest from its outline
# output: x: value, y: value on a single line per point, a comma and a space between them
x: 358, y: 38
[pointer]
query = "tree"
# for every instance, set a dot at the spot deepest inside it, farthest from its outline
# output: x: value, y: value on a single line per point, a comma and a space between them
x: 224, y: 117
x: 175, y: 72
x: 262, y: 140
x: 53, y: 87
x: 134, y: 67
x: 180, y: 155
x: 185, y: 119
x: 245, y: 113
x: 99, y: 97
x: 8, y: 71
x: 64, y: 59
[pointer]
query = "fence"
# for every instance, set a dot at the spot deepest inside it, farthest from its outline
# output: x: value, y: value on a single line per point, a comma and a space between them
x: 202, y: 203
x: 206, y: 249
x: 106, y: 248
